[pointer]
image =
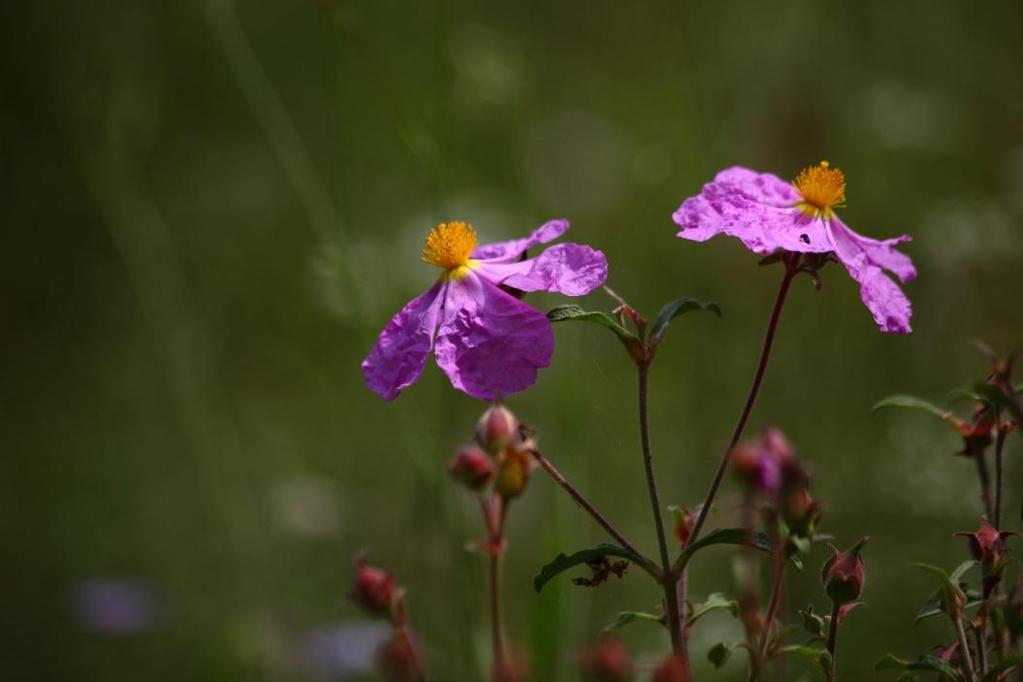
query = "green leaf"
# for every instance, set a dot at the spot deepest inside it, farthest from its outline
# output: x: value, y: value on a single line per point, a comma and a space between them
x: 912, y: 403
x: 935, y: 605
x: 714, y: 602
x: 819, y: 656
x: 723, y: 536
x: 626, y: 617
x: 570, y: 311
x: 925, y: 663
x: 722, y: 651
x: 563, y: 562
x: 1007, y: 663
x: 961, y: 570
x: 680, y: 306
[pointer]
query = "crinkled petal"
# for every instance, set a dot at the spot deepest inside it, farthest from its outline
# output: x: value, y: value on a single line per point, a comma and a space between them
x: 490, y: 344
x: 503, y: 252
x: 400, y: 353
x: 572, y: 269
x: 757, y: 208
x: 882, y: 252
x: 883, y: 297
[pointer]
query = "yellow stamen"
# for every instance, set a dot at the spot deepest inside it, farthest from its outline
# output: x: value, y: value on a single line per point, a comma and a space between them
x: 449, y: 246
x: 822, y: 187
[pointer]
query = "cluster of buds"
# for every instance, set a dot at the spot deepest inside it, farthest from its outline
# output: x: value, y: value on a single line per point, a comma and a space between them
x: 767, y: 468
x: 843, y: 574
x: 378, y: 595
x: 608, y: 660
x: 988, y: 546
x: 500, y: 457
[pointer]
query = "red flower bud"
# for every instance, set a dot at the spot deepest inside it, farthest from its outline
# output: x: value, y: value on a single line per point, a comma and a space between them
x: 843, y: 574
x: 779, y: 446
x: 606, y: 661
x: 397, y: 660
x: 683, y: 521
x: 670, y: 670
x: 374, y: 591
x: 988, y: 546
x: 756, y: 467
x: 471, y: 467
x: 496, y: 429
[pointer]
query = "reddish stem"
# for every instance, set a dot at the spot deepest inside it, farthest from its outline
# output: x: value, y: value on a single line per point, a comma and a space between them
x: 790, y: 272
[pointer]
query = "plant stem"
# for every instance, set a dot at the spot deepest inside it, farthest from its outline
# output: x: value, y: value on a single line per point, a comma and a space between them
x: 667, y: 578
x: 773, y: 602
x: 964, y: 651
x: 979, y: 635
x: 833, y: 641
x: 758, y: 377
x: 999, y: 445
x: 985, y: 485
x: 649, y: 566
x: 493, y: 517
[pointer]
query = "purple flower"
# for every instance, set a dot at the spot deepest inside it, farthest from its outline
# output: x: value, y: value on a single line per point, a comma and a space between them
x: 486, y: 341
x: 766, y: 213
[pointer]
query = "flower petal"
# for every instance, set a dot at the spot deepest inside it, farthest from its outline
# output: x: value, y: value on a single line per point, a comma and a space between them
x: 882, y: 252
x: 503, y: 252
x: 489, y: 343
x: 572, y: 269
x: 883, y: 297
x: 757, y: 208
x: 400, y: 353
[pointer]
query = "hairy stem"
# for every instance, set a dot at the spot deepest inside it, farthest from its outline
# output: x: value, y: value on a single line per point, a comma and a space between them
x: 985, y: 486
x: 999, y: 445
x: 833, y: 641
x: 964, y: 651
x: 648, y: 565
x: 667, y: 578
x: 758, y: 377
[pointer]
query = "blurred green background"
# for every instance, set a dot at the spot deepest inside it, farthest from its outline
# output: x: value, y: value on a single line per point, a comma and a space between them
x: 212, y: 208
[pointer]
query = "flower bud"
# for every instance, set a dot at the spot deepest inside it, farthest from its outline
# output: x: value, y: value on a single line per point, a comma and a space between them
x: 471, y: 467
x: 778, y: 445
x: 512, y: 474
x: 843, y: 574
x: 374, y: 591
x: 606, y: 661
x: 988, y: 546
x: 683, y: 521
x: 496, y: 429
x: 756, y: 467
x: 671, y: 669
x: 397, y: 660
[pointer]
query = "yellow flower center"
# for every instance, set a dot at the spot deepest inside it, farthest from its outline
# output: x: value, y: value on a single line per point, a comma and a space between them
x: 822, y: 187
x: 449, y: 246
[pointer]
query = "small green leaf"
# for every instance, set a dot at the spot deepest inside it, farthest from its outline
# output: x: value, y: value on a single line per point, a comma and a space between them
x: 626, y: 617
x: 723, y: 536
x: 935, y: 605
x: 563, y: 562
x: 722, y: 651
x: 570, y: 311
x: 1007, y: 663
x: 679, y: 306
x: 796, y: 561
x: 925, y: 663
x: 820, y: 657
x: 714, y: 602
x: 961, y: 570
x: 912, y: 403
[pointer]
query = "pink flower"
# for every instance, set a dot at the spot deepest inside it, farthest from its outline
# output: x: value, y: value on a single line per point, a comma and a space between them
x: 766, y: 213
x: 488, y: 342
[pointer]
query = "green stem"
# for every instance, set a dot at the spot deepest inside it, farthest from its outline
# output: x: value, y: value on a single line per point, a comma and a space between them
x: 667, y: 578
